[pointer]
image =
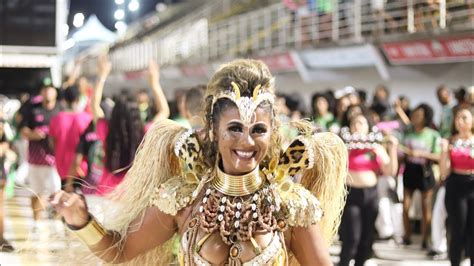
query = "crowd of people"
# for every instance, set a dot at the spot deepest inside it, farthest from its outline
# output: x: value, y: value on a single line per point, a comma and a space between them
x: 80, y: 141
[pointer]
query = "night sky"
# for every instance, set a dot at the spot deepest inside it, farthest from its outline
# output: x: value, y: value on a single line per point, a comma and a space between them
x: 104, y: 9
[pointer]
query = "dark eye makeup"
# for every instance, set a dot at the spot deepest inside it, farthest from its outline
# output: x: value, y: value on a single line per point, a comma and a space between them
x: 259, y: 129
x: 235, y: 127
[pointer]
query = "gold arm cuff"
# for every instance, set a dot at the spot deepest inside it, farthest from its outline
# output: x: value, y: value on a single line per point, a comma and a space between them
x: 92, y: 233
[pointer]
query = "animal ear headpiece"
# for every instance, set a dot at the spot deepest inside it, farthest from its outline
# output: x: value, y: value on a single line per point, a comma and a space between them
x: 246, y: 105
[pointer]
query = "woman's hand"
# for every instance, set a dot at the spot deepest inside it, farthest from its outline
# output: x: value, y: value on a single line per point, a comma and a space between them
x: 72, y: 207
x: 392, y: 142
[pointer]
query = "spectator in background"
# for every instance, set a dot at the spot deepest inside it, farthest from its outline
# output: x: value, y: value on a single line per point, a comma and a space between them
x: 360, y: 212
x: 194, y: 102
x: 83, y: 84
x: 362, y: 96
x: 461, y: 99
x: 421, y: 148
x: 180, y: 116
x: 145, y: 106
x: 457, y: 162
x: 446, y: 119
x: 65, y: 130
x: 322, y: 116
x: 42, y: 174
x: 5, y: 246
x: 381, y: 102
x: 343, y: 101
x: 120, y: 136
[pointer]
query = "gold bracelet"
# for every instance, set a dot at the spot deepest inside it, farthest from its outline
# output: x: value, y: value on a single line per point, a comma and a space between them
x: 92, y: 233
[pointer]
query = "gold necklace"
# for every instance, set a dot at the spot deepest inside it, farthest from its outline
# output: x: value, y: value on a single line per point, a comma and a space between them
x: 237, y: 186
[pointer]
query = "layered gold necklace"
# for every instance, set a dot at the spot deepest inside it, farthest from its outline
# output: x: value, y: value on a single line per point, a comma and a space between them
x: 237, y: 207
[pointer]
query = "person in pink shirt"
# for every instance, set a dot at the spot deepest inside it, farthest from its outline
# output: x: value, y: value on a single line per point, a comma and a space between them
x: 65, y: 130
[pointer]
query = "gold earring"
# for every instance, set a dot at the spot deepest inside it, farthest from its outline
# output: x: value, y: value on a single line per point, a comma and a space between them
x: 211, y: 135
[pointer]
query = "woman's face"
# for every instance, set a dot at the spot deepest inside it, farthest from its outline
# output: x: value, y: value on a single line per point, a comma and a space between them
x: 321, y: 105
x: 353, y: 111
x: 418, y: 117
x: 343, y: 104
x: 242, y: 147
x: 359, y: 125
x: 463, y: 121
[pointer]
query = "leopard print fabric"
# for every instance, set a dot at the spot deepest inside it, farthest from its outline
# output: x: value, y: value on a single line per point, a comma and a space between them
x: 295, y: 159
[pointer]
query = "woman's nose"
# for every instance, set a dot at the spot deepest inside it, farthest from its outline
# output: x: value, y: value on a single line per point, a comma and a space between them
x: 247, y: 139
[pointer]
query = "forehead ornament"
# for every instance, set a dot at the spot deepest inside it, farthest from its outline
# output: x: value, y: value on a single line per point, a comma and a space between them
x: 246, y: 105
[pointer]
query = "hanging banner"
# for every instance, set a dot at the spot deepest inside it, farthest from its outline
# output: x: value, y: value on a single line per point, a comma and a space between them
x: 440, y: 50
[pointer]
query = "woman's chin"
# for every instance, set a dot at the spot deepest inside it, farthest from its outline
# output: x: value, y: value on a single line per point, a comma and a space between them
x: 244, y: 168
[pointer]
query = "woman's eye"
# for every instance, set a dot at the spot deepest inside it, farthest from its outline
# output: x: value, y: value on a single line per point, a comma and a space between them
x: 259, y: 130
x: 235, y: 128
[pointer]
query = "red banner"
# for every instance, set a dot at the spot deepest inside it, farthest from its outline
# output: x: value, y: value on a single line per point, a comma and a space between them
x: 279, y: 62
x: 194, y: 70
x: 441, y: 50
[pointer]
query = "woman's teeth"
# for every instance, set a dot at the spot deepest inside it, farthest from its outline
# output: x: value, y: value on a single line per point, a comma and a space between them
x: 245, y: 154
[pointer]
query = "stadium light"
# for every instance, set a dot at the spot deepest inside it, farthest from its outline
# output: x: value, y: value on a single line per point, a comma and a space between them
x: 78, y: 20
x: 133, y: 5
x: 120, y: 26
x: 119, y: 14
x: 119, y: 2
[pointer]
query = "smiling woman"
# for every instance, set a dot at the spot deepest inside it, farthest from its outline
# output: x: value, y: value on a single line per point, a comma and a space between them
x: 228, y: 191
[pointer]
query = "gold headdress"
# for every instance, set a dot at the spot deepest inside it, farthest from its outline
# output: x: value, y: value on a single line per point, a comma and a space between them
x: 246, y: 105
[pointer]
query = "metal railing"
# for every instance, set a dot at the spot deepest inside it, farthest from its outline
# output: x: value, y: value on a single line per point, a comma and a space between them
x: 276, y: 29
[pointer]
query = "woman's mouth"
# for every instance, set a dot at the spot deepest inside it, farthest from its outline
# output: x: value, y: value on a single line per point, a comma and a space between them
x: 245, y: 155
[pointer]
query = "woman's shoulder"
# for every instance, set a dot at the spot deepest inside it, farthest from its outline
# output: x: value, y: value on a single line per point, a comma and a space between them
x: 175, y: 194
x: 299, y: 205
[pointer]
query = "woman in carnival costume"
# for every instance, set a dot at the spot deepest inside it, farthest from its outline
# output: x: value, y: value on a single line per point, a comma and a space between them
x: 228, y: 191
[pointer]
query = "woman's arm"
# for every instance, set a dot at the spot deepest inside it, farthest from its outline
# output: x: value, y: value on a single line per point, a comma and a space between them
x: 104, y: 68
x: 154, y: 229
x: 424, y: 154
x: 444, y: 163
x: 163, y: 110
x: 389, y: 157
x: 307, y: 244
x: 399, y: 110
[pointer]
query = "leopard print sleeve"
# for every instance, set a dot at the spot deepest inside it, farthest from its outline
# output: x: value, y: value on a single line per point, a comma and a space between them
x: 180, y: 191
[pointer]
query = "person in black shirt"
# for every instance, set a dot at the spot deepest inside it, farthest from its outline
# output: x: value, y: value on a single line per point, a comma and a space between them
x: 42, y: 175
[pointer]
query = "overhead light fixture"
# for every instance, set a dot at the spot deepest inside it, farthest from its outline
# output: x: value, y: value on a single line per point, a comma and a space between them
x: 120, y: 26
x: 133, y: 5
x: 78, y: 20
x: 119, y: 14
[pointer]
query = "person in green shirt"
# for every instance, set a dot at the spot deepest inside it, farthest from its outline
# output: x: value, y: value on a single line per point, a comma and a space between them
x: 322, y: 116
x: 421, y: 148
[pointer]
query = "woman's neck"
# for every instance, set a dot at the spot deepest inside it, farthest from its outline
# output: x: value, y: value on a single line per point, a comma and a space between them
x: 322, y: 113
x: 418, y: 129
x: 465, y: 135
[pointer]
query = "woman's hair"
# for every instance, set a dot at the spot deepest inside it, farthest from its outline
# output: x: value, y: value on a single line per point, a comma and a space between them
x: 125, y: 133
x: 427, y: 114
x: 247, y: 74
x: 348, y: 116
x: 456, y: 111
x: 314, y: 98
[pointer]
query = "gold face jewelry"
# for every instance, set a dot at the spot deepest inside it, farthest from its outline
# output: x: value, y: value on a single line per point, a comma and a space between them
x: 237, y: 186
x: 246, y: 105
